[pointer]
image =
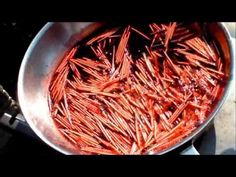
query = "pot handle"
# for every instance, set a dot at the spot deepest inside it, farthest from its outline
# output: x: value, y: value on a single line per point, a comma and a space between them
x: 10, y: 115
x: 191, y: 150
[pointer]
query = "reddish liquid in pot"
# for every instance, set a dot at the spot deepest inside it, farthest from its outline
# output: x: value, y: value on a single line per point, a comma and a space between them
x: 137, y: 88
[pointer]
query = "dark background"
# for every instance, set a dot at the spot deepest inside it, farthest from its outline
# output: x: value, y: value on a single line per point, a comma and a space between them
x: 15, y: 37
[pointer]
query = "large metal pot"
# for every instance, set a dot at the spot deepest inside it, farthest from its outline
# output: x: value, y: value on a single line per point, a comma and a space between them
x: 44, y: 54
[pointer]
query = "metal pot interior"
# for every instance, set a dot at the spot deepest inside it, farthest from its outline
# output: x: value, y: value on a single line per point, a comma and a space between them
x: 44, y: 54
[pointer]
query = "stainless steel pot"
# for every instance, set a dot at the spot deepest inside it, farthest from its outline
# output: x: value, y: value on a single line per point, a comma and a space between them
x: 46, y: 51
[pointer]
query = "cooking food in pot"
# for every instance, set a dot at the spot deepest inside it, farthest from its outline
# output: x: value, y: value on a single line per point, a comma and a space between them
x: 136, y: 89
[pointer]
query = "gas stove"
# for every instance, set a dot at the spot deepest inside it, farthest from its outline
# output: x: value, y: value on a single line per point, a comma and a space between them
x: 220, y: 138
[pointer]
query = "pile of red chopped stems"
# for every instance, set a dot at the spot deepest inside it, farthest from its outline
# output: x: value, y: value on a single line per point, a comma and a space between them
x: 114, y: 104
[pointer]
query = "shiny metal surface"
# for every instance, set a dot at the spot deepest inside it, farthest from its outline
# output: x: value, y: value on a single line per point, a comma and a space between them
x: 191, y: 150
x: 231, y: 26
x: 37, y: 66
x: 45, y: 52
x: 4, y: 120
